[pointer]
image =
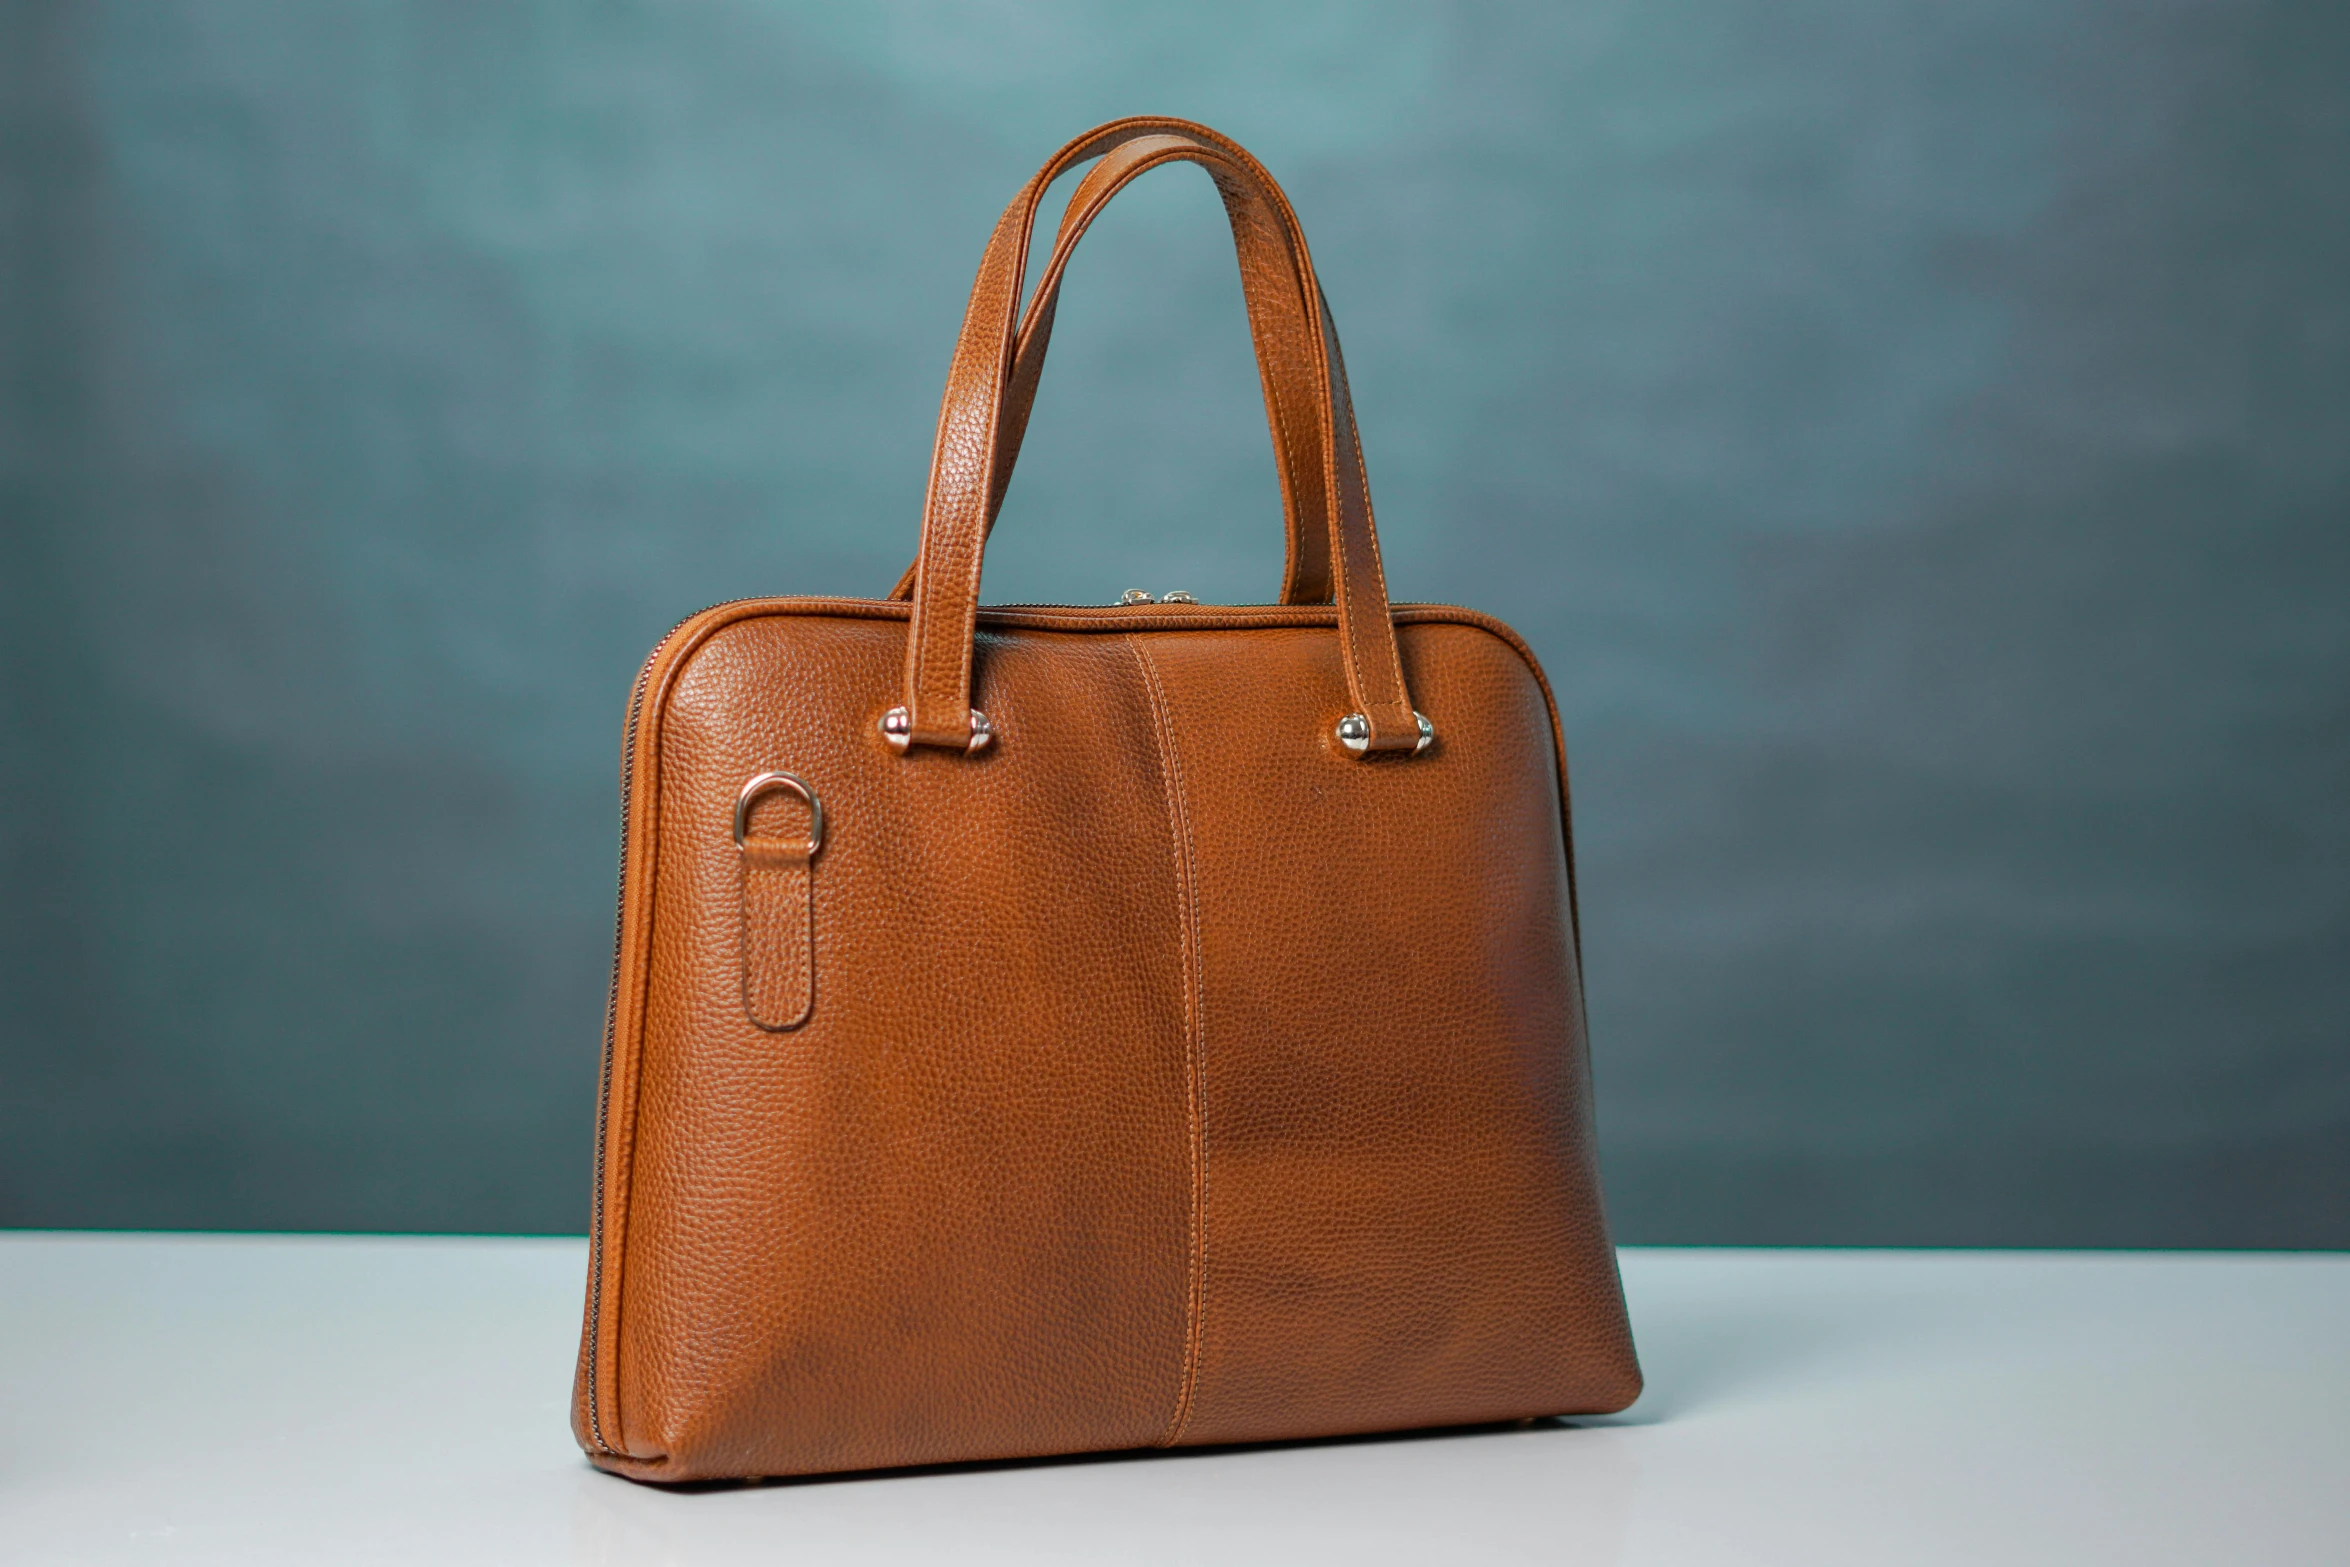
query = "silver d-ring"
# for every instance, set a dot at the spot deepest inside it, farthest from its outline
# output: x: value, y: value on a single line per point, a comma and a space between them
x: 764, y: 783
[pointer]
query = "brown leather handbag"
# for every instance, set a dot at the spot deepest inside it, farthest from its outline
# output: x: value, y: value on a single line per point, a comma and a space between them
x: 1045, y: 1029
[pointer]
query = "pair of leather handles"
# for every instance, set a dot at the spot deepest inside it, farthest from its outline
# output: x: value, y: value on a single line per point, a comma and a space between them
x: 991, y: 385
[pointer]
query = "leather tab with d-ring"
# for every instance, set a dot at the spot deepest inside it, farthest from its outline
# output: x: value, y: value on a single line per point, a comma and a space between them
x: 778, y: 907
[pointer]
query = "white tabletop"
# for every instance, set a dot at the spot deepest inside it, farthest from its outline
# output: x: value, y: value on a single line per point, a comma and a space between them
x: 258, y: 1401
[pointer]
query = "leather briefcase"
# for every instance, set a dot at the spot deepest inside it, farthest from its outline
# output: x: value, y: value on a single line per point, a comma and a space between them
x: 1044, y: 1029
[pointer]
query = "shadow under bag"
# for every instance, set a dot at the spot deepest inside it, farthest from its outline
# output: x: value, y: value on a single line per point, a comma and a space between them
x: 1044, y: 1029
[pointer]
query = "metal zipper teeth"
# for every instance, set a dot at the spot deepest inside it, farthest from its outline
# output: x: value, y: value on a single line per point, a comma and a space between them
x: 636, y: 705
x: 1155, y: 604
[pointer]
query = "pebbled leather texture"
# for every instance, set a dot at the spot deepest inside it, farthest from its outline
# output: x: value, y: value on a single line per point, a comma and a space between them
x: 1160, y: 1073
x: 778, y: 930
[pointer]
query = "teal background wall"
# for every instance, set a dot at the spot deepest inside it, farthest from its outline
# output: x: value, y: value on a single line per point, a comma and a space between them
x: 1916, y: 439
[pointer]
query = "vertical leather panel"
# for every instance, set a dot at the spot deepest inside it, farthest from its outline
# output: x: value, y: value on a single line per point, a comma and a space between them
x: 1402, y: 1222
x: 949, y: 1217
x: 1181, y: 844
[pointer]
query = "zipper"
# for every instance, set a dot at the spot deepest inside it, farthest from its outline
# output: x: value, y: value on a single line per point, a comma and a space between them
x: 636, y: 704
x: 1177, y: 596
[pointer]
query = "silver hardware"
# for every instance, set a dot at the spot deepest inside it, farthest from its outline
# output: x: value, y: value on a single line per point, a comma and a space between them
x: 898, y: 729
x: 767, y: 783
x: 1176, y: 596
x: 1354, y: 732
x: 1134, y: 596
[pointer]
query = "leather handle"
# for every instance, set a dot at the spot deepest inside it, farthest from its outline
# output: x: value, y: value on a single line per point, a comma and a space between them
x: 1277, y: 332
x: 971, y: 453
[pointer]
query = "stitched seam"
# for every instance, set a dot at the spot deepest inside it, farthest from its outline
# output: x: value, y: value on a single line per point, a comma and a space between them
x: 1340, y: 588
x: 1195, y: 1031
x: 1339, y: 392
x: 1350, y: 611
x: 1243, y: 210
x: 1378, y: 565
